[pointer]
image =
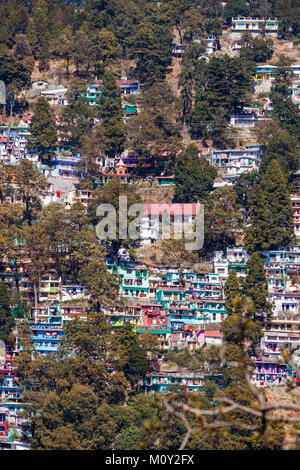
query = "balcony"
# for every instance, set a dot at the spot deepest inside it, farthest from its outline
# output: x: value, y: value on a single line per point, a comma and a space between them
x: 158, y: 329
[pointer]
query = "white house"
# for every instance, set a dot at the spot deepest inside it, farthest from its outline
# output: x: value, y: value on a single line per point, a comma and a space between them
x: 255, y: 26
x: 157, y: 214
x: 55, y: 95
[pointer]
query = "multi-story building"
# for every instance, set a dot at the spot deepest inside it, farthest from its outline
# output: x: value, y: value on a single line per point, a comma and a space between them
x: 165, y: 381
x: 235, y: 258
x: 81, y: 195
x: 116, y: 316
x: 46, y: 337
x: 150, y: 315
x: 65, y: 163
x: 49, y: 288
x: 210, y: 42
x: 13, y: 143
x: 295, y: 200
x: 49, y: 311
x: 94, y: 90
x: 280, y: 333
x: 155, y: 215
x: 119, y: 173
x: 270, y: 371
x: 295, y: 92
x: 286, y: 302
x: 280, y: 265
x: 55, y: 95
x: 73, y: 292
x: 71, y: 310
x: 249, y: 118
x: 237, y: 161
x: 134, y: 281
x: 267, y: 72
x: 255, y: 26
x: 182, y: 308
x: 10, y: 397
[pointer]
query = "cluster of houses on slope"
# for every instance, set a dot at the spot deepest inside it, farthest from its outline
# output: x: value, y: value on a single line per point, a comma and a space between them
x: 64, y: 162
x: 56, y: 94
x: 182, y: 307
x: 267, y: 27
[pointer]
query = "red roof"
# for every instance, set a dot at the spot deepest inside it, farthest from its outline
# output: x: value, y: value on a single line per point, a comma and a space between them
x: 213, y: 334
x: 127, y: 82
x: 74, y: 313
x: 172, y: 209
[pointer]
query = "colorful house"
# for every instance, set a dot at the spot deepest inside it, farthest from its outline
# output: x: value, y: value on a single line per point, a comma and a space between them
x: 280, y: 264
x: 165, y: 180
x: 270, y: 371
x: 295, y: 199
x: 280, y: 333
x: 65, y: 162
x: 134, y: 281
x: 94, y: 90
x: 163, y: 382
x: 46, y: 337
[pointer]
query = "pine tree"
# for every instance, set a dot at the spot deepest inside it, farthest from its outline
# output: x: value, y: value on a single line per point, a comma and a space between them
x: 257, y: 50
x: 223, y: 222
x: 42, y: 128
x: 82, y: 47
x: 36, y: 246
x: 193, y: 176
x: 152, y: 50
x: 31, y: 187
x: 112, y: 113
x: 235, y: 8
x: 110, y: 194
x: 255, y: 286
x: 92, y: 153
x: 32, y: 37
x: 6, y: 319
x: 137, y: 366
x: 186, y: 91
x: 102, y: 286
x: 64, y: 46
x: 104, y: 50
x: 40, y: 16
x: 13, y: 72
x: 288, y: 116
x: 270, y: 210
x: 229, y: 81
x: 287, y: 11
x: 76, y: 120
x: 232, y: 291
x: 282, y: 148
